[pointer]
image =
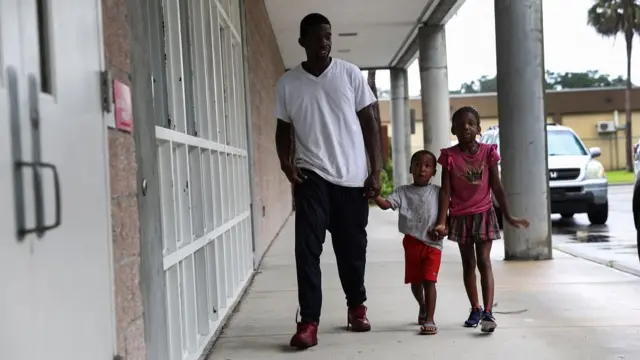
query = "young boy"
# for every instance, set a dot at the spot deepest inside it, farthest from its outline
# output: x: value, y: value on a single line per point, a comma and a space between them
x: 418, y: 212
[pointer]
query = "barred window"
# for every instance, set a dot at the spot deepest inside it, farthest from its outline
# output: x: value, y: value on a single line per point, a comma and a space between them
x: 203, y: 170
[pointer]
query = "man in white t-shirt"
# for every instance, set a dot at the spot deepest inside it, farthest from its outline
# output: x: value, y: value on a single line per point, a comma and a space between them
x: 327, y: 103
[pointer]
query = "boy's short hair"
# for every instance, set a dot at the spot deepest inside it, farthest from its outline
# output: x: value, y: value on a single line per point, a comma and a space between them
x: 310, y: 22
x: 419, y: 153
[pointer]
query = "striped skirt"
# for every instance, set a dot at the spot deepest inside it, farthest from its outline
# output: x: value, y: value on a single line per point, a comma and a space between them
x: 474, y: 228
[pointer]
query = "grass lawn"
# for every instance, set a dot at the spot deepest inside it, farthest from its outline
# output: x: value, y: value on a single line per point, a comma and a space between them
x: 620, y: 177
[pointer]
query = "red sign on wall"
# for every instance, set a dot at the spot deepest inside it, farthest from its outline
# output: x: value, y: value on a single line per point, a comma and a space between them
x: 123, y: 108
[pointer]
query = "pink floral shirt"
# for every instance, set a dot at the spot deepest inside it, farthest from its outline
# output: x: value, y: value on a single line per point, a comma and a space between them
x: 469, y: 177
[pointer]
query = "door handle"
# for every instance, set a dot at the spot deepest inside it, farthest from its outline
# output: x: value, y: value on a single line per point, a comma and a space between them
x: 36, y: 151
x: 36, y: 165
x: 41, y: 227
x: 58, y: 199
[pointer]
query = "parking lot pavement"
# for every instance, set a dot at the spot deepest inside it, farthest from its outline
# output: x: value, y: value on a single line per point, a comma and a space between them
x: 613, y: 244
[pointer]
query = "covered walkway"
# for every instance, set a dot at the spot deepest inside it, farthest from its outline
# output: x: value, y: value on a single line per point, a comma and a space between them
x: 575, y: 309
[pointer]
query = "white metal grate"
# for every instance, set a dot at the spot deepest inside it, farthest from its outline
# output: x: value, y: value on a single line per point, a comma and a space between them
x: 203, y: 170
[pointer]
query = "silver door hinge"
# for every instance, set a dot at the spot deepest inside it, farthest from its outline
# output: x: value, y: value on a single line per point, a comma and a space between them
x: 106, y: 90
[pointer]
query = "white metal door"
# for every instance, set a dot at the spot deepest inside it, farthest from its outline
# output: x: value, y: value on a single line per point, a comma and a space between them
x: 59, y: 278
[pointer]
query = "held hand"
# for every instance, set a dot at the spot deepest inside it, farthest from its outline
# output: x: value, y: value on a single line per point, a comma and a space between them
x: 441, y: 230
x: 293, y: 173
x: 434, y: 235
x: 372, y: 186
x: 518, y: 223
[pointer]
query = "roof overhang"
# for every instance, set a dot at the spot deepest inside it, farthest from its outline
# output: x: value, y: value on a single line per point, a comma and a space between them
x: 373, y: 34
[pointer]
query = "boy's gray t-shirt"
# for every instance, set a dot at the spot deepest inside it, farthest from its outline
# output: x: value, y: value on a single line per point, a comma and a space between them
x: 417, y: 211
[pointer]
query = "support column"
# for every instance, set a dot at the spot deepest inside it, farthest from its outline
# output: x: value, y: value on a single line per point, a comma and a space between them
x: 407, y: 120
x: 435, y: 90
x: 398, y: 128
x: 520, y: 64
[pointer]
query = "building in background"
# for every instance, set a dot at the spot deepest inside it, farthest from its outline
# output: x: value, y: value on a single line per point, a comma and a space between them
x: 594, y: 114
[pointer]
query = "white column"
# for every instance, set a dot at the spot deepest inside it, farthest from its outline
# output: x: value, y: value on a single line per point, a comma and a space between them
x: 520, y: 64
x: 407, y: 117
x: 435, y: 89
x: 398, y: 125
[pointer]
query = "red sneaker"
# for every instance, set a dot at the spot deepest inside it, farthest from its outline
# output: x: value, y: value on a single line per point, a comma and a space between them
x: 357, y: 319
x: 306, y: 336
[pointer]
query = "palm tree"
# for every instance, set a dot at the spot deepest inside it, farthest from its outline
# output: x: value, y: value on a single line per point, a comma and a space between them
x: 610, y: 18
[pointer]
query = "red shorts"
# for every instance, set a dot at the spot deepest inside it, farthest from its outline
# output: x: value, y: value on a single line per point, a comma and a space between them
x: 422, y: 262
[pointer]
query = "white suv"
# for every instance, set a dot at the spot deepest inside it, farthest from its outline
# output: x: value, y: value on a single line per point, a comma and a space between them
x: 636, y: 192
x: 577, y: 181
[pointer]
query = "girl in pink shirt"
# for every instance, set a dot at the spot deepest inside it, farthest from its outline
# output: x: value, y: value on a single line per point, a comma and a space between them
x: 469, y: 174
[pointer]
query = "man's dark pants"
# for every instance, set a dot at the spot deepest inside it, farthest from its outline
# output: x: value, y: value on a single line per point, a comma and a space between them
x: 343, y: 211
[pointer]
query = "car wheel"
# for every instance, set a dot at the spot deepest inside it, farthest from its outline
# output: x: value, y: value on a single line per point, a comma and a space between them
x: 499, y: 215
x: 567, y: 215
x: 598, y: 213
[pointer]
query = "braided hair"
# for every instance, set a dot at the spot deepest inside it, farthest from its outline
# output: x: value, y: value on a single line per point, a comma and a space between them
x: 464, y: 110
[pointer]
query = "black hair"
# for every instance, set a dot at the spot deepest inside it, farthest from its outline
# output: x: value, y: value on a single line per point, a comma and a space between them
x: 466, y: 110
x: 310, y: 22
x: 419, y: 153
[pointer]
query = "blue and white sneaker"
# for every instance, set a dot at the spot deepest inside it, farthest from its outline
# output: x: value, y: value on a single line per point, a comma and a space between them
x: 474, y: 318
x: 488, y: 323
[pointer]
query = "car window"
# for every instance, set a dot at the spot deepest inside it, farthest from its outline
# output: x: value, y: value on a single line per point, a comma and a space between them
x: 561, y: 143
x: 564, y: 142
x: 487, y: 138
x: 492, y: 138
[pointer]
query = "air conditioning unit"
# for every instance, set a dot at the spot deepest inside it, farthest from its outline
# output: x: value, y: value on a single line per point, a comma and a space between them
x: 606, y: 127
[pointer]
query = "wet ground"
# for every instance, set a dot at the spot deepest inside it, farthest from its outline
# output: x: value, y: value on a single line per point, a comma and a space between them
x: 613, y: 244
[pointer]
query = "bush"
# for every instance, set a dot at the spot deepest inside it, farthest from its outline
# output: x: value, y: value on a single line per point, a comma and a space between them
x: 386, y: 179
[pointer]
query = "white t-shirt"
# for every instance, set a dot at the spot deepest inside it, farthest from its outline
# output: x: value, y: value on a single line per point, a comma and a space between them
x: 418, y: 211
x: 323, y: 111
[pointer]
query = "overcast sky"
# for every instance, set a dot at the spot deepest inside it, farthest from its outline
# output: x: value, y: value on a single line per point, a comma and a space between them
x: 570, y: 44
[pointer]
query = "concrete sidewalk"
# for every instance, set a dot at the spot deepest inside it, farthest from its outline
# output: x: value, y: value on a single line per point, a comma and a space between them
x: 575, y: 309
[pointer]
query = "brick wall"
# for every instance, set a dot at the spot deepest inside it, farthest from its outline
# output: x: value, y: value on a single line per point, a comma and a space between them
x: 124, y: 204
x: 272, y: 201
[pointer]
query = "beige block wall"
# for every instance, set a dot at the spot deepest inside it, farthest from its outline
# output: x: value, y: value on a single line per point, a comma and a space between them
x: 125, y: 225
x: 417, y: 139
x: 272, y: 195
x: 613, y: 146
x: 579, y: 109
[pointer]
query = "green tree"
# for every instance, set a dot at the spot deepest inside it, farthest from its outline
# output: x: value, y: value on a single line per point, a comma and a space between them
x: 581, y: 80
x: 610, y: 18
x: 553, y: 81
x: 386, y: 176
x: 484, y: 84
